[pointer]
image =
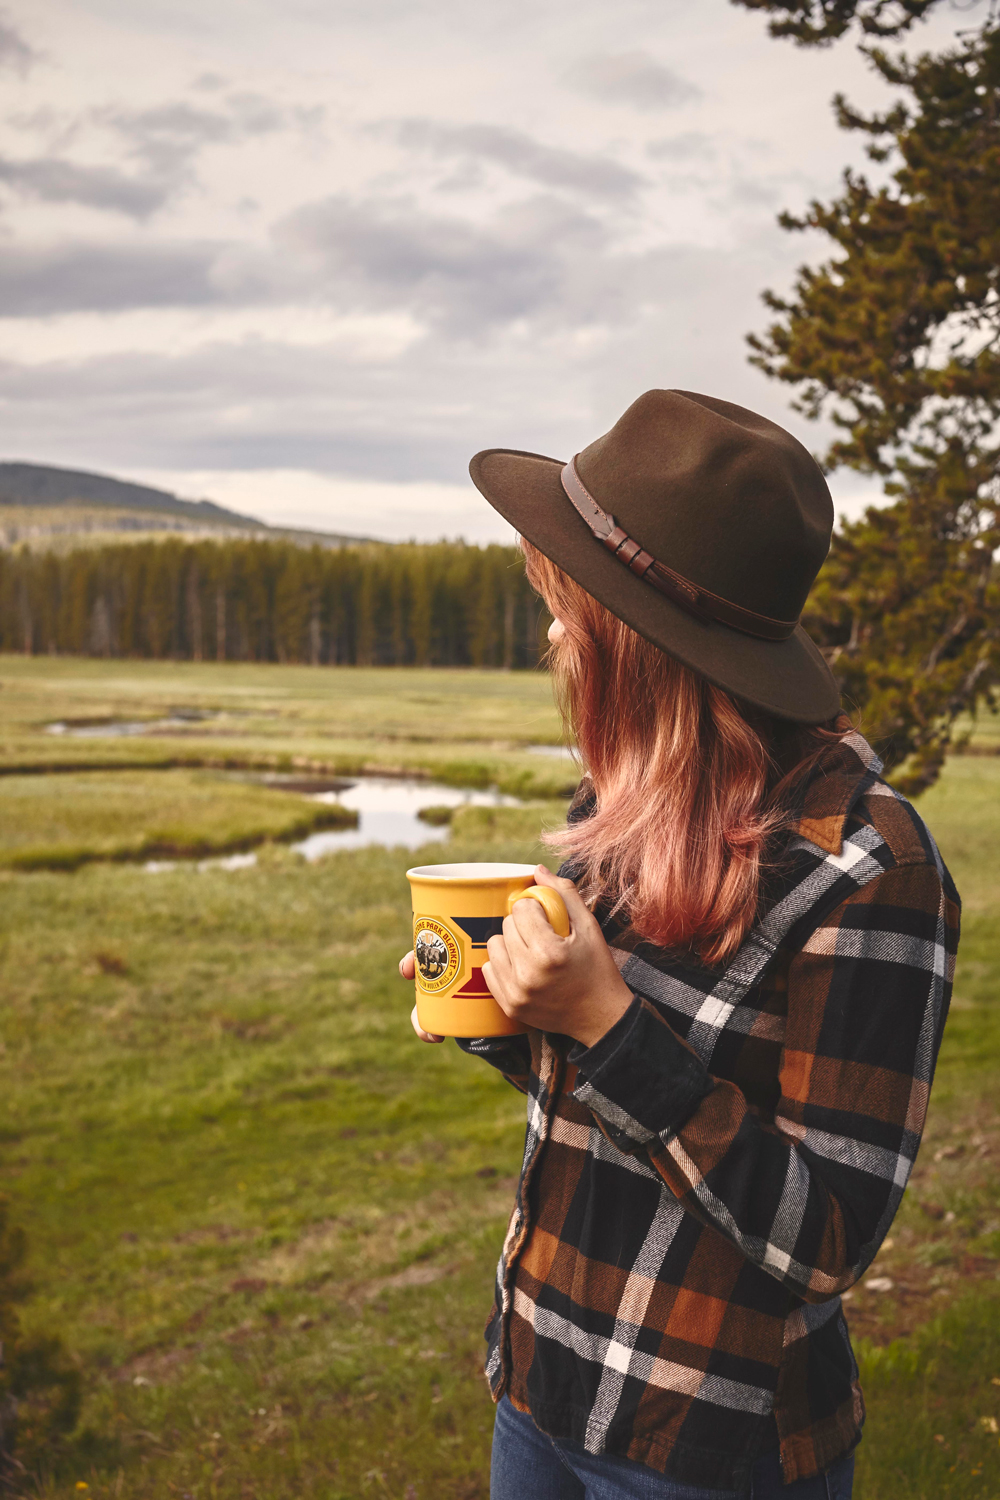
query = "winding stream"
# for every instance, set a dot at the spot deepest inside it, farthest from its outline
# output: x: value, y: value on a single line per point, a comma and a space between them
x: 387, y: 808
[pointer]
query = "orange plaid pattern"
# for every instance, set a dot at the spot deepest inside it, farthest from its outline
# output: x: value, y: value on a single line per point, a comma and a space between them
x: 700, y: 1186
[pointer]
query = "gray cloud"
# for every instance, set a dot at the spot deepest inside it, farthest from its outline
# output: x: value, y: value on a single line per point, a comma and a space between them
x: 540, y: 268
x: 14, y: 50
x: 749, y: 192
x: 167, y: 136
x: 163, y: 142
x: 539, y: 260
x: 691, y: 145
x: 675, y: 318
x: 521, y: 154
x: 304, y: 408
x: 104, y: 278
x: 534, y: 323
x: 56, y: 181
x: 387, y: 254
x: 631, y: 78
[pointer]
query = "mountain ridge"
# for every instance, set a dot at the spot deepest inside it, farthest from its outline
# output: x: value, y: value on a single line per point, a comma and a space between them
x: 48, y: 487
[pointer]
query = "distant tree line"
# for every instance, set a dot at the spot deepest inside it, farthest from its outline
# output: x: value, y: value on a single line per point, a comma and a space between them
x: 431, y: 604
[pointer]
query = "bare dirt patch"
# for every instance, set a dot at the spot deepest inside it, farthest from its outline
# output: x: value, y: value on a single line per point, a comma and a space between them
x: 419, y: 1274
x: 157, y: 1366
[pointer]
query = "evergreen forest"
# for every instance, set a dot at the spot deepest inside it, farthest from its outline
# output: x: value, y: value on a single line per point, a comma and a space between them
x: 432, y: 604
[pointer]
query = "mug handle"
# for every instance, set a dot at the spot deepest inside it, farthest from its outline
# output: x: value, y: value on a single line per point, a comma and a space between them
x: 552, y: 905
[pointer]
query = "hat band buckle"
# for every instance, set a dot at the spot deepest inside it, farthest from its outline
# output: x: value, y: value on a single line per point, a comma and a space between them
x: 691, y: 597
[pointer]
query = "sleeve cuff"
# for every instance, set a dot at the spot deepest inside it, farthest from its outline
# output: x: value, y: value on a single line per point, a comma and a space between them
x: 640, y: 1078
x: 511, y: 1054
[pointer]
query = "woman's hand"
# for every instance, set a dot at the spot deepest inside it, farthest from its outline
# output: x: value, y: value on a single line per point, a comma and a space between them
x: 570, y: 985
x: 406, y: 968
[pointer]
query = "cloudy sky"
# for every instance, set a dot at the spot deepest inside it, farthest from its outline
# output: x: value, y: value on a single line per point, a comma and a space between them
x: 304, y: 257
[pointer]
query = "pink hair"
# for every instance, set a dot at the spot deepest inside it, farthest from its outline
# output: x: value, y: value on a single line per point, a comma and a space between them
x: 691, y: 789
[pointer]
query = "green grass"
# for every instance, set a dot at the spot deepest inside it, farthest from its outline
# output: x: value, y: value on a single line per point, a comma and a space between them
x: 245, y: 1181
x: 469, y: 728
x: 61, y: 822
x: 983, y: 732
x: 934, y: 1409
x: 265, y: 1219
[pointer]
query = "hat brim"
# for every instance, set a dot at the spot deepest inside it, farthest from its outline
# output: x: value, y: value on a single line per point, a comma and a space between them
x: 788, y: 678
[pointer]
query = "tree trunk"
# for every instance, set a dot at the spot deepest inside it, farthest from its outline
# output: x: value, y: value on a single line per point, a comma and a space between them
x: 194, y: 612
x: 27, y: 623
x: 508, y: 630
x: 100, y: 628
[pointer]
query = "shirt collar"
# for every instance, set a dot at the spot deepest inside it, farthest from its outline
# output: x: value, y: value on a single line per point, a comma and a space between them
x: 839, y: 779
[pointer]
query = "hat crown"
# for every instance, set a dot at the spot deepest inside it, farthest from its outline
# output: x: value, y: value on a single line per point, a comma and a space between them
x: 724, y: 497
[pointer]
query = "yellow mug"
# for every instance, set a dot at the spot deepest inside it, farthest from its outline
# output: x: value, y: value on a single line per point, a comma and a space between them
x: 456, y: 910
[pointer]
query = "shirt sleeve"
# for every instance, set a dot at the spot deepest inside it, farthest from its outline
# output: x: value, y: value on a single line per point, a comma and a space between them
x: 809, y: 1197
x: 510, y: 1055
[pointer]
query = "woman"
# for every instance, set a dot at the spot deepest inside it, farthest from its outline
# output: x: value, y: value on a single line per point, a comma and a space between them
x: 730, y: 1055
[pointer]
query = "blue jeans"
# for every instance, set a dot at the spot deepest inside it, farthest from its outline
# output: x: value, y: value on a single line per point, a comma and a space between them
x: 528, y: 1465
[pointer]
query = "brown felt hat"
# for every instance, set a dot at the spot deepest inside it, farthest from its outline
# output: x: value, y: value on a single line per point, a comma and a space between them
x: 698, y: 523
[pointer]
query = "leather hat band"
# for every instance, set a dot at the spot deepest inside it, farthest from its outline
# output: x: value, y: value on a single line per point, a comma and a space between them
x: 700, y: 602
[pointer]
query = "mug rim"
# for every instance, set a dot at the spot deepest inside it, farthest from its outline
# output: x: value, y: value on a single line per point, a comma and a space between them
x: 470, y: 872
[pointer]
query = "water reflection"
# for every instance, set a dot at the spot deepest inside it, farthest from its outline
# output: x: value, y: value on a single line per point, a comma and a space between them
x: 387, y: 808
x: 112, y: 729
x: 224, y: 862
x: 561, y: 752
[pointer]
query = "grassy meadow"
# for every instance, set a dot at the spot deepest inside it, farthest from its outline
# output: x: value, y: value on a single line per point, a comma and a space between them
x: 263, y: 1217
x: 62, y: 822
x: 469, y: 727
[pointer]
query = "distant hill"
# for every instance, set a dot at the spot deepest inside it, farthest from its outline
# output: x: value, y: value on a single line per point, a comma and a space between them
x: 42, y: 486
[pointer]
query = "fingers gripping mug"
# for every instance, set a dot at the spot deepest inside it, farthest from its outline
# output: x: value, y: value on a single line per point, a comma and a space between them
x: 456, y: 910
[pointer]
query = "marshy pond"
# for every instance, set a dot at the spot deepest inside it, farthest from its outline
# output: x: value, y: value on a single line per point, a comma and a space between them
x: 388, y: 811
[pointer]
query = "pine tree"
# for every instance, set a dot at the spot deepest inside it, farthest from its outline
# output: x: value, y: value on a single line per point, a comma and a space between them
x: 895, y: 339
x: 484, y: 601
x: 291, y: 606
x: 194, y: 621
x: 817, y: 22
x: 422, y: 607
x: 441, y: 603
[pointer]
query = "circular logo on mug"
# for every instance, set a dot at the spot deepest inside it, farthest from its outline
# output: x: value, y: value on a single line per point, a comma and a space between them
x: 438, y: 954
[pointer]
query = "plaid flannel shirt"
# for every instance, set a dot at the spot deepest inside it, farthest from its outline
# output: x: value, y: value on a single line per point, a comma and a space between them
x: 700, y: 1186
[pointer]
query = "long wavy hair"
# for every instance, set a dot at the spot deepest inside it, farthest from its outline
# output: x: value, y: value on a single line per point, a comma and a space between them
x: 691, y: 788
